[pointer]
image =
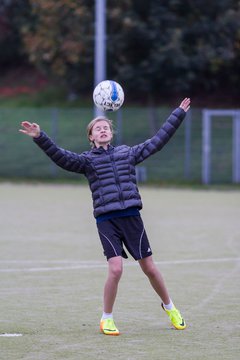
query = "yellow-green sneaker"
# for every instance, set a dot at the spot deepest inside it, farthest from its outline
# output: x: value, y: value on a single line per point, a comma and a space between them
x: 175, y: 318
x: 108, y: 327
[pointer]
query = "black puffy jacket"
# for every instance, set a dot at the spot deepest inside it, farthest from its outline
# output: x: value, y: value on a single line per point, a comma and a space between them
x: 111, y: 173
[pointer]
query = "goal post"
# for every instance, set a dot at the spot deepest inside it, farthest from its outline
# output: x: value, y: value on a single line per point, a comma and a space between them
x: 207, y: 143
x: 236, y: 147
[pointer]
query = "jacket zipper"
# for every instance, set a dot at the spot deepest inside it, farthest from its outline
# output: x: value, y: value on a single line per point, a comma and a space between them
x: 117, y: 179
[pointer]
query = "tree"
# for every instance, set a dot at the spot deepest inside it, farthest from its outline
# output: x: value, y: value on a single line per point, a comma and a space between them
x: 12, y: 15
x: 173, y: 46
x: 59, y: 40
x: 156, y: 49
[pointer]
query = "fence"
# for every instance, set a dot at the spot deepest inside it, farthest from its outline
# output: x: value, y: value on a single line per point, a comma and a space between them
x: 181, y: 160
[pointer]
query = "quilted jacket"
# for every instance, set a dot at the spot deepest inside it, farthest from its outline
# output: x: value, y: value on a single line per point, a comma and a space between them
x: 111, y: 173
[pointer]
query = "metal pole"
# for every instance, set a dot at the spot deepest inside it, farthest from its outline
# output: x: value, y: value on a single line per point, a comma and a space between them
x: 206, y: 147
x: 54, y: 130
x: 187, y: 162
x: 119, y: 127
x: 236, y: 147
x: 100, y: 46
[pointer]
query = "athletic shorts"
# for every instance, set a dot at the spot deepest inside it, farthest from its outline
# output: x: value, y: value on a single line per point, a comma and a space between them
x: 122, y: 233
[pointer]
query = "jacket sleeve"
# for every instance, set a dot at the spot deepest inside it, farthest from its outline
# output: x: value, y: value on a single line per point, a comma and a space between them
x: 67, y: 160
x: 151, y: 146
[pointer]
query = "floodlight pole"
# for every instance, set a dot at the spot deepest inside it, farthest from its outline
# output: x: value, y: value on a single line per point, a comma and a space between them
x: 100, y: 46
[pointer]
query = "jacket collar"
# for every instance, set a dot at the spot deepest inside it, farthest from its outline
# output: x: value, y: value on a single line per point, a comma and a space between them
x: 101, y: 150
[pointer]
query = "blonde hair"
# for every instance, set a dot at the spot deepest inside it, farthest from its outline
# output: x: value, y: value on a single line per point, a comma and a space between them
x: 93, y: 122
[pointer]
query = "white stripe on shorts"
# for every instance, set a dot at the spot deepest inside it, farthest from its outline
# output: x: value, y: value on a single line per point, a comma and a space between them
x: 140, y: 244
x: 109, y: 242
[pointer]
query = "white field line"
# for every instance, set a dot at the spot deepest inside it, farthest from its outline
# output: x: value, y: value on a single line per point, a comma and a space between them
x: 10, y: 335
x: 218, y: 287
x: 81, y: 265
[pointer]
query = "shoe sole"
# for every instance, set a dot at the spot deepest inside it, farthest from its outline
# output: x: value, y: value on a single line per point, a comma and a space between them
x: 109, y: 334
x: 181, y: 328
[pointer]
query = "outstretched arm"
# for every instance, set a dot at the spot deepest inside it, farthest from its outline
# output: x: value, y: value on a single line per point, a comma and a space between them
x: 67, y: 160
x: 30, y: 129
x: 160, y: 139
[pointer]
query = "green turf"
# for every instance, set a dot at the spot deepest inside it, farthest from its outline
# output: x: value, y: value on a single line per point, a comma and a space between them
x: 52, y: 274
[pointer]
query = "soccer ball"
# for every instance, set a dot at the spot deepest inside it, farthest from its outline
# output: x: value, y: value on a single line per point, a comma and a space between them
x: 108, y: 95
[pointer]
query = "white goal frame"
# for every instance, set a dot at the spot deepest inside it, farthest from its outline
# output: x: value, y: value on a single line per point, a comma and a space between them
x: 206, y: 143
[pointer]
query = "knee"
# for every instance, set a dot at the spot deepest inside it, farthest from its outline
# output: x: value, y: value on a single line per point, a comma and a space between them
x: 115, y: 271
x: 150, y: 271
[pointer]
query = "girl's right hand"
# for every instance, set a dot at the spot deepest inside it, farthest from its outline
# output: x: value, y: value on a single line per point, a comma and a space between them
x: 185, y: 104
x: 30, y: 129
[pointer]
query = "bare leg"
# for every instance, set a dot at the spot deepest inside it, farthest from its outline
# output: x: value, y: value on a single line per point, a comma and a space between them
x: 111, y: 285
x: 155, y: 278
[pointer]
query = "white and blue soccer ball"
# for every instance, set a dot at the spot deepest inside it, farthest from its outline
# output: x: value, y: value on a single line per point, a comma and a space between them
x: 108, y: 95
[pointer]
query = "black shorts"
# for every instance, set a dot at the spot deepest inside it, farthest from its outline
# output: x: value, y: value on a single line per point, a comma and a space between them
x: 124, y: 231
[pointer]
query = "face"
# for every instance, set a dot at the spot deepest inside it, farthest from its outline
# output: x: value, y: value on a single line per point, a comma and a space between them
x: 101, y: 134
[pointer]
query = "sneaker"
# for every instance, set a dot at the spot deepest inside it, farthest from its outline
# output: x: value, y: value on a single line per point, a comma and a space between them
x: 108, y: 327
x: 175, y: 318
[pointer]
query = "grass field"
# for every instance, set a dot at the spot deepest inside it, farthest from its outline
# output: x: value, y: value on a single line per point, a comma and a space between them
x: 52, y: 274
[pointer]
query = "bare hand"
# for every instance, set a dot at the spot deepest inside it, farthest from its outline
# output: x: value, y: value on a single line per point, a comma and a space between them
x: 185, y: 104
x: 30, y: 129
